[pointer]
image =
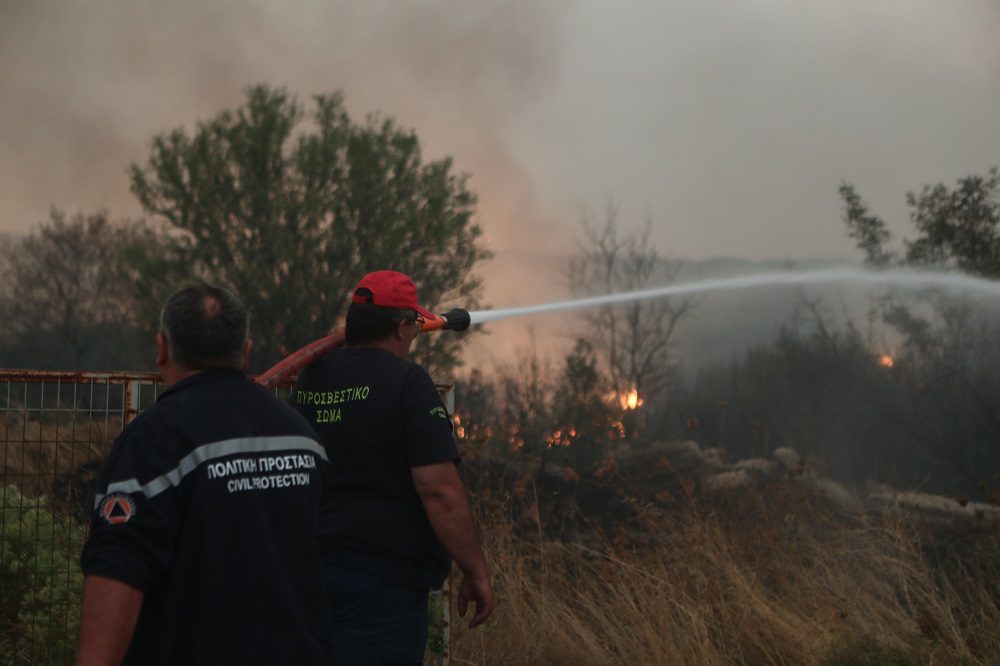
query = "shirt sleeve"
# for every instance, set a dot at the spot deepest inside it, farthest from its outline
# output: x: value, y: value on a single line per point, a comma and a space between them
x: 135, y: 513
x: 427, y: 425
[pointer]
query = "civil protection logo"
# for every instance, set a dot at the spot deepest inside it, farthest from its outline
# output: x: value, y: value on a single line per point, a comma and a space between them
x: 117, y: 508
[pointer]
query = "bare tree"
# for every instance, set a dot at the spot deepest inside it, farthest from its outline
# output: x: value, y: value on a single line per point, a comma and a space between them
x: 632, y: 340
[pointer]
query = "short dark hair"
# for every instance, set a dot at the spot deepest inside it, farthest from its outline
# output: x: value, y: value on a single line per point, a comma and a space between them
x: 206, y: 327
x: 371, y: 323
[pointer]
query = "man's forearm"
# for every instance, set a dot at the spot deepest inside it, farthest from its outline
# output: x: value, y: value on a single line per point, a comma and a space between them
x: 443, y: 495
x: 449, y: 515
x: 110, y: 612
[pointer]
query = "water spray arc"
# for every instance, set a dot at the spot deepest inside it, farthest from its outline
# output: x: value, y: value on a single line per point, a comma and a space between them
x: 459, y: 319
x: 896, y: 278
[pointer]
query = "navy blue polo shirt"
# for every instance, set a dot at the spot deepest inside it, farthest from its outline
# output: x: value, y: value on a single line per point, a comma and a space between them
x: 378, y: 417
x: 208, y: 503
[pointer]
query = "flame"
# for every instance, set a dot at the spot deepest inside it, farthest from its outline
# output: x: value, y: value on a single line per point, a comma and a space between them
x: 885, y: 361
x: 630, y: 400
x: 561, y: 437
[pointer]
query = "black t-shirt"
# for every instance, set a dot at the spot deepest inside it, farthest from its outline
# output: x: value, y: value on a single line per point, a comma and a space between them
x: 378, y: 416
x: 208, y: 504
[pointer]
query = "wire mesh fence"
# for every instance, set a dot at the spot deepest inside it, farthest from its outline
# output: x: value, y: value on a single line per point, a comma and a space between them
x: 56, y: 429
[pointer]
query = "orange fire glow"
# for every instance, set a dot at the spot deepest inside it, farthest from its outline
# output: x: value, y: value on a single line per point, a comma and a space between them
x: 561, y: 438
x: 885, y: 361
x: 630, y: 400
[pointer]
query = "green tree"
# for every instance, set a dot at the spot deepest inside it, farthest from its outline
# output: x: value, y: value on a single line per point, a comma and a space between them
x: 290, y: 210
x: 870, y: 231
x: 67, y: 298
x: 956, y: 227
x: 926, y: 418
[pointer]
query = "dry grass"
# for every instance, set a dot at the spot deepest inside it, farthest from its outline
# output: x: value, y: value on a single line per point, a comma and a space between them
x: 768, y: 578
x: 57, y: 459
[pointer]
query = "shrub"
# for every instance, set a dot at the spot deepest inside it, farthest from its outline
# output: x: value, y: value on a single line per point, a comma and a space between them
x: 40, y: 582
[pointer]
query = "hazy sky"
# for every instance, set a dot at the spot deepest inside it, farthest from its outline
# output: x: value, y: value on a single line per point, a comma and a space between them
x: 729, y: 124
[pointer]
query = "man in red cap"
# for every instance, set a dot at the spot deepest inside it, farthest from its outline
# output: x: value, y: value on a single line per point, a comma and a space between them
x: 397, y: 512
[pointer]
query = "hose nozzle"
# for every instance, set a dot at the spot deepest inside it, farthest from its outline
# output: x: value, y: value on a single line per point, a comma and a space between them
x: 453, y: 320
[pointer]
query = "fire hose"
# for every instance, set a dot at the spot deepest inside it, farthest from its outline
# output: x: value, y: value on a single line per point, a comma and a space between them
x: 453, y: 320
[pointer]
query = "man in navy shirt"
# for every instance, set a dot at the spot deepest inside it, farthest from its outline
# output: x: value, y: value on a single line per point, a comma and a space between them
x: 201, y: 549
x: 397, y: 512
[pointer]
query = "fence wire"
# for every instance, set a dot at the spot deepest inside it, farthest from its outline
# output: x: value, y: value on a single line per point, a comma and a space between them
x: 56, y: 429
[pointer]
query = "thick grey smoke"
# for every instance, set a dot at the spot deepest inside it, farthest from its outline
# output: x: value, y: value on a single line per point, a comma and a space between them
x: 729, y: 124
x: 88, y: 84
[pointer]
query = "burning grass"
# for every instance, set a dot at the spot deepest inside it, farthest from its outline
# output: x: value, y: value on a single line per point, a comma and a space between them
x: 771, y: 576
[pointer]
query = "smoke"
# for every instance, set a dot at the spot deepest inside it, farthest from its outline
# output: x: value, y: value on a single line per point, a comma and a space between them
x: 729, y: 124
x: 88, y: 85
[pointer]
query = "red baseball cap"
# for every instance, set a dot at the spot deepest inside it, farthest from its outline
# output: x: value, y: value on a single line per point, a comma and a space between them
x: 390, y: 289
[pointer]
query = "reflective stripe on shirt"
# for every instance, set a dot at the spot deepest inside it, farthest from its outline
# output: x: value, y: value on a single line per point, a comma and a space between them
x: 208, y: 452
